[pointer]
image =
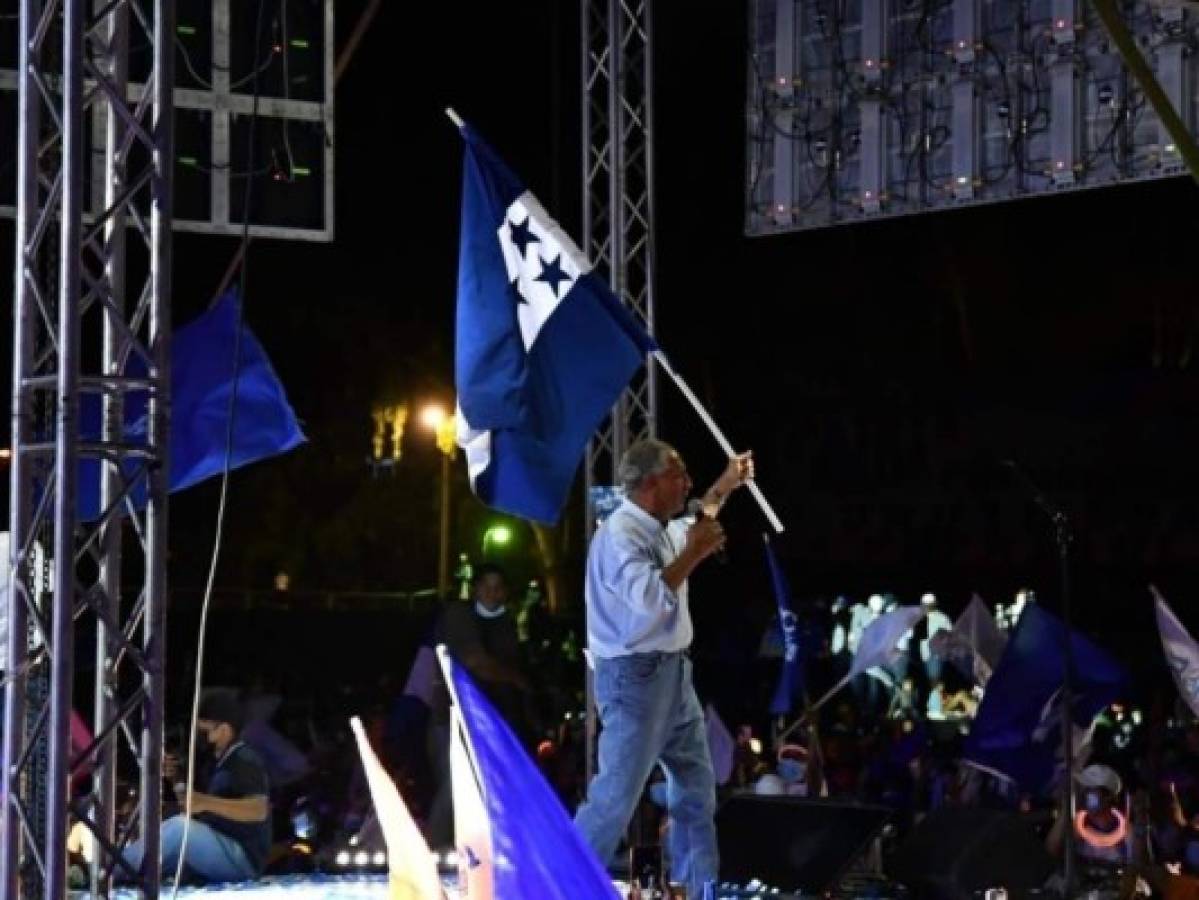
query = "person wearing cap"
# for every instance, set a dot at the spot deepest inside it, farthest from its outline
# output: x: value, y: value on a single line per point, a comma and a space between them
x: 1112, y: 838
x: 229, y: 835
x: 638, y: 632
x: 1102, y: 832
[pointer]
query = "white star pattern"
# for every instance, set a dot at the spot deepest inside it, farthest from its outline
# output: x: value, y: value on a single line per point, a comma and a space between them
x: 552, y: 241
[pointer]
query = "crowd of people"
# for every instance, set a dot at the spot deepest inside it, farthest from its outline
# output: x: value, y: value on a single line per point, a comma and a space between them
x: 896, y: 737
x: 282, y: 786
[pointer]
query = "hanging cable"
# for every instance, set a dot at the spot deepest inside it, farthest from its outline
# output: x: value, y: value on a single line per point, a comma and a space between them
x: 206, y: 603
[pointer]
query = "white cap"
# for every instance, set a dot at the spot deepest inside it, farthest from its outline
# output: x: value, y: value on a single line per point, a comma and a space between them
x: 1100, y: 776
x: 875, y: 602
x: 770, y: 785
x: 928, y: 600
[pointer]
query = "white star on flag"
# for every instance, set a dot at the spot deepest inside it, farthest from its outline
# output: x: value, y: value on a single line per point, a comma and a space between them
x: 550, y: 243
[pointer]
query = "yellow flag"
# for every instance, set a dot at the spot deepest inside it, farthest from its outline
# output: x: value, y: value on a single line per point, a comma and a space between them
x: 411, y: 867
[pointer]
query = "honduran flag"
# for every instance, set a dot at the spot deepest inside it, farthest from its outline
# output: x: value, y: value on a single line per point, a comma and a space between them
x: 543, y: 347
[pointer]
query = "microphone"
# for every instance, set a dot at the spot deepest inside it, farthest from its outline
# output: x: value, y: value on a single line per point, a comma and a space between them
x: 695, y: 509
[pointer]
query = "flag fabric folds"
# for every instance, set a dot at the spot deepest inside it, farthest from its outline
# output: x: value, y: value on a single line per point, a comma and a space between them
x: 202, y: 380
x: 878, y: 646
x: 721, y: 746
x: 202, y: 376
x: 789, y: 690
x: 411, y: 866
x: 1182, y: 653
x: 975, y: 643
x: 513, y: 835
x: 1017, y: 732
x: 543, y: 347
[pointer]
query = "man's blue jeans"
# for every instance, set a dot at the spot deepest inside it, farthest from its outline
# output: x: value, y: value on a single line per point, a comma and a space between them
x: 212, y: 856
x: 650, y: 714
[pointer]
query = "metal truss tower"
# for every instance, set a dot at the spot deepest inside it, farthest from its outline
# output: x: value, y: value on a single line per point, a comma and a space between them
x: 618, y: 220
x: 618, y: 199
x: 90, y: 410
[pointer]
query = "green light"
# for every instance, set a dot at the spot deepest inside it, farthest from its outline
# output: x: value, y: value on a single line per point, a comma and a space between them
x: 300, y: 170
x: 497, y: 536
x: 299, y: 43
x: 186, y: 29
x: 187, y: 160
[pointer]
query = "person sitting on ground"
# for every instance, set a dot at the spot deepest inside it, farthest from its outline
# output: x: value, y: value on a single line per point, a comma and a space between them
x: 229, y: 835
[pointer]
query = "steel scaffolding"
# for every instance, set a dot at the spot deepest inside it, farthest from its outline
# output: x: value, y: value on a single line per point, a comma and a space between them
x: 90, y: 412
x: 618, y: 197
x: 618, y: 218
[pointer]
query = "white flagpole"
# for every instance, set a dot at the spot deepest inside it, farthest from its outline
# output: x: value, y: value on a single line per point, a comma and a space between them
x: 719, y: 435
x: 814, y: 708
x: 456, y: 719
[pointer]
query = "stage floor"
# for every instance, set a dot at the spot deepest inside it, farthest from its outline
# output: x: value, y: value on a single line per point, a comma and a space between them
x: 289, y: 887
x: 349, y: 887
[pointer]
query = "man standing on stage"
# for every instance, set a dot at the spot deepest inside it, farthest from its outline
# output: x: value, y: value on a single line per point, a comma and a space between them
x: 638, y: 632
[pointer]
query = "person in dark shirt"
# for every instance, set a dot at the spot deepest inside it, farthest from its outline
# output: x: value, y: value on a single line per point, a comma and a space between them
x: 481, y: 635
x: 230, y: 832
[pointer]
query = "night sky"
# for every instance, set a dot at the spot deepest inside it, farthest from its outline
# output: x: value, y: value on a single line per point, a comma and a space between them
x: 879, y: 371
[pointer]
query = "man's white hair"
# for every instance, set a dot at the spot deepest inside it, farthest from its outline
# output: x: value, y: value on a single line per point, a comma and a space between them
x: 644, y: 458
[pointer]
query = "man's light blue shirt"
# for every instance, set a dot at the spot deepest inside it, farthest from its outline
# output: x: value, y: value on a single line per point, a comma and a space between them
x: 630, y: 608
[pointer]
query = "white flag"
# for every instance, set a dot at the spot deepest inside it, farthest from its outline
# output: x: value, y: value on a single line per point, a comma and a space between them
x: 1182, y: 653
x: 974, y: 644
x: 879, y: 642
x: 411, y: 867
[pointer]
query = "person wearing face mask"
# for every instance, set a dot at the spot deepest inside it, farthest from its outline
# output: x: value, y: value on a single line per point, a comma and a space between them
x: 1102, y: 832
x: 1101, y: 826
x: 1112, y: 839
x: 482, y: 636
x: 229, y: 835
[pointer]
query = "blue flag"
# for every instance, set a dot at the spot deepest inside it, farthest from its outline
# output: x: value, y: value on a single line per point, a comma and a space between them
x: 201, y: 385
x: 1017, y: 731
x: 789, y: 690
x: 515, y: 840
x: 543, y: 347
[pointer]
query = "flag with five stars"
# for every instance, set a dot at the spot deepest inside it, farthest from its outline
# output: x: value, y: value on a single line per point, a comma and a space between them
x: 543, y: 346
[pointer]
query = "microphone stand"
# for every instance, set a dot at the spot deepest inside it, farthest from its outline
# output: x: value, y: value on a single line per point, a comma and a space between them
x: 1062, y: 538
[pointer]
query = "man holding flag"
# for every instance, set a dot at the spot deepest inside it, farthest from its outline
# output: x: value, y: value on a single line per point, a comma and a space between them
x: 639, y: 630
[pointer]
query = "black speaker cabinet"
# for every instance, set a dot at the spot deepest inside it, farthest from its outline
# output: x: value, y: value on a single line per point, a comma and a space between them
x: 793, y: 843
x: 953, y: 853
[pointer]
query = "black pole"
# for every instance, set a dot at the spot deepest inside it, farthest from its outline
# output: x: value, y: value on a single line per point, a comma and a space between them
x: 1062, y: 537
